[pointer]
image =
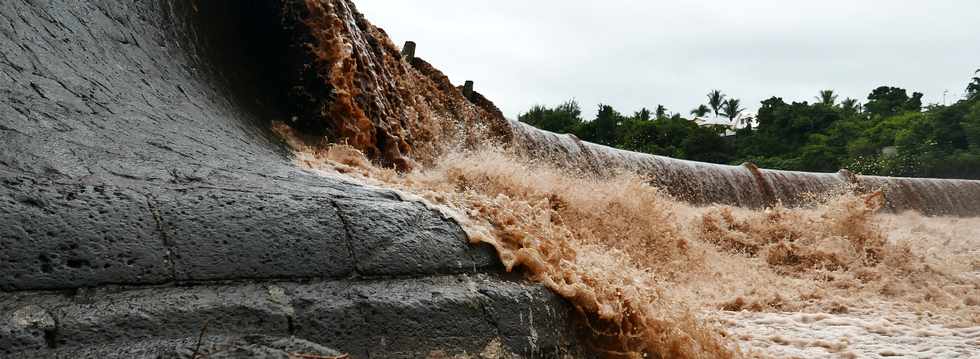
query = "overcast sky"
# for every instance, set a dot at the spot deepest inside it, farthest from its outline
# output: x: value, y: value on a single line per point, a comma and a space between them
x: 632, y: 54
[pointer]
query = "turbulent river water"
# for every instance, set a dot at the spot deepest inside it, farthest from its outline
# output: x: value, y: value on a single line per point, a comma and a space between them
x: 654, y: 276
x: 143, y: 199
x: 662, y: 257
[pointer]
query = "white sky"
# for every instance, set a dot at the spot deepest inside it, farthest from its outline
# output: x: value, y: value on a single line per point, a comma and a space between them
x: 631, y: 54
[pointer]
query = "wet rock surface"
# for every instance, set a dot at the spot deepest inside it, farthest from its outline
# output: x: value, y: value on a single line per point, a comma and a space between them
x: 365, y: 318
x: 144, y: 204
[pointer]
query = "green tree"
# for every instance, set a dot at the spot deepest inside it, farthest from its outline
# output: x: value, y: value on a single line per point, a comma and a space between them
x: 642, y: 115
x: 536, y: 117
x: 827, y: 97
x: 938, y: 141
x: 971, y: 125
x: 819, y: 154
x: 701, y: 111
x: 973, y: 89
x: 850, y: 106
x: 915, y: 103
x: 946, y: 126
x: 889, y: 101
x: 705, y: 143
x: 604, y: 129
x: 642, y: 136
x: 715, y: 100
x: 564, y: 118
x: 732, y: 109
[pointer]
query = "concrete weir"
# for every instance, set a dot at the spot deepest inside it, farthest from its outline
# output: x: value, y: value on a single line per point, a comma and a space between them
x: 147, y: 211
x: 747, y: 185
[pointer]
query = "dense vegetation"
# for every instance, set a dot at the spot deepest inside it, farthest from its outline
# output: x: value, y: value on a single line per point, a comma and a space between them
x: 891, y: 134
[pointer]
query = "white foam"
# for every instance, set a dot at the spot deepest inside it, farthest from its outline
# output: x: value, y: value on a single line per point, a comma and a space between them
x: 871, y: 334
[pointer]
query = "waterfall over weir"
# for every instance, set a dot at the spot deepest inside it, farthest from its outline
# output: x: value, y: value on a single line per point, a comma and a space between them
x: 151, y: 206
x: 345, y: 80
x: 747, y: 185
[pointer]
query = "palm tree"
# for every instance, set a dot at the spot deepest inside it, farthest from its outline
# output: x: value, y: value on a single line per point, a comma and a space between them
x: 827, y: 97
x: 973, y: 89
x: 701, y: 111
x: 715, y: 100
x: 643, y: 114
x: 732, y: 108
x: 850, y: 105
x: 661, y: 112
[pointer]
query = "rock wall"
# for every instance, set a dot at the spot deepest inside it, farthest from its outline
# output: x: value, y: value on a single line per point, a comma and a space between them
x: 146, y: 210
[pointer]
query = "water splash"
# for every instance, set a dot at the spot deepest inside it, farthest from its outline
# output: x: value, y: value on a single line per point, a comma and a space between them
x: 397, y: 112
x: 644, y: 268
x: 748, y: 186
x: 642, y: 245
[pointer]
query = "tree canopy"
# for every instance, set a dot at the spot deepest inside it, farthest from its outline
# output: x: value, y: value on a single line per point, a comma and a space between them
x: 715, y: 100
x: 892, y: 134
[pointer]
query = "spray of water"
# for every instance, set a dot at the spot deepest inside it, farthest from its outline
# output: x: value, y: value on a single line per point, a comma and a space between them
x: 643, y: 268
x: 652, y: 276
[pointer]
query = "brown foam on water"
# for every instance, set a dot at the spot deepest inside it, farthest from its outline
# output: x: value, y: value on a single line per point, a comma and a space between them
x: 843, y: 236
x: 650, y: 274
x: 585, y: 239
x: 841, y: 253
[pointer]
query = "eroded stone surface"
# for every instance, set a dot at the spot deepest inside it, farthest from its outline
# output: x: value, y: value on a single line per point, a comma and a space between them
x: 66, y: 236
x: 222, y: 234
x: 386, y: 318
x: 405, y: 238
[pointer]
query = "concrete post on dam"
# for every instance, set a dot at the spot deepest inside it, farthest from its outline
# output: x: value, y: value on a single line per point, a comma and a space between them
x: 468, y: 90
x: 408, y: 51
